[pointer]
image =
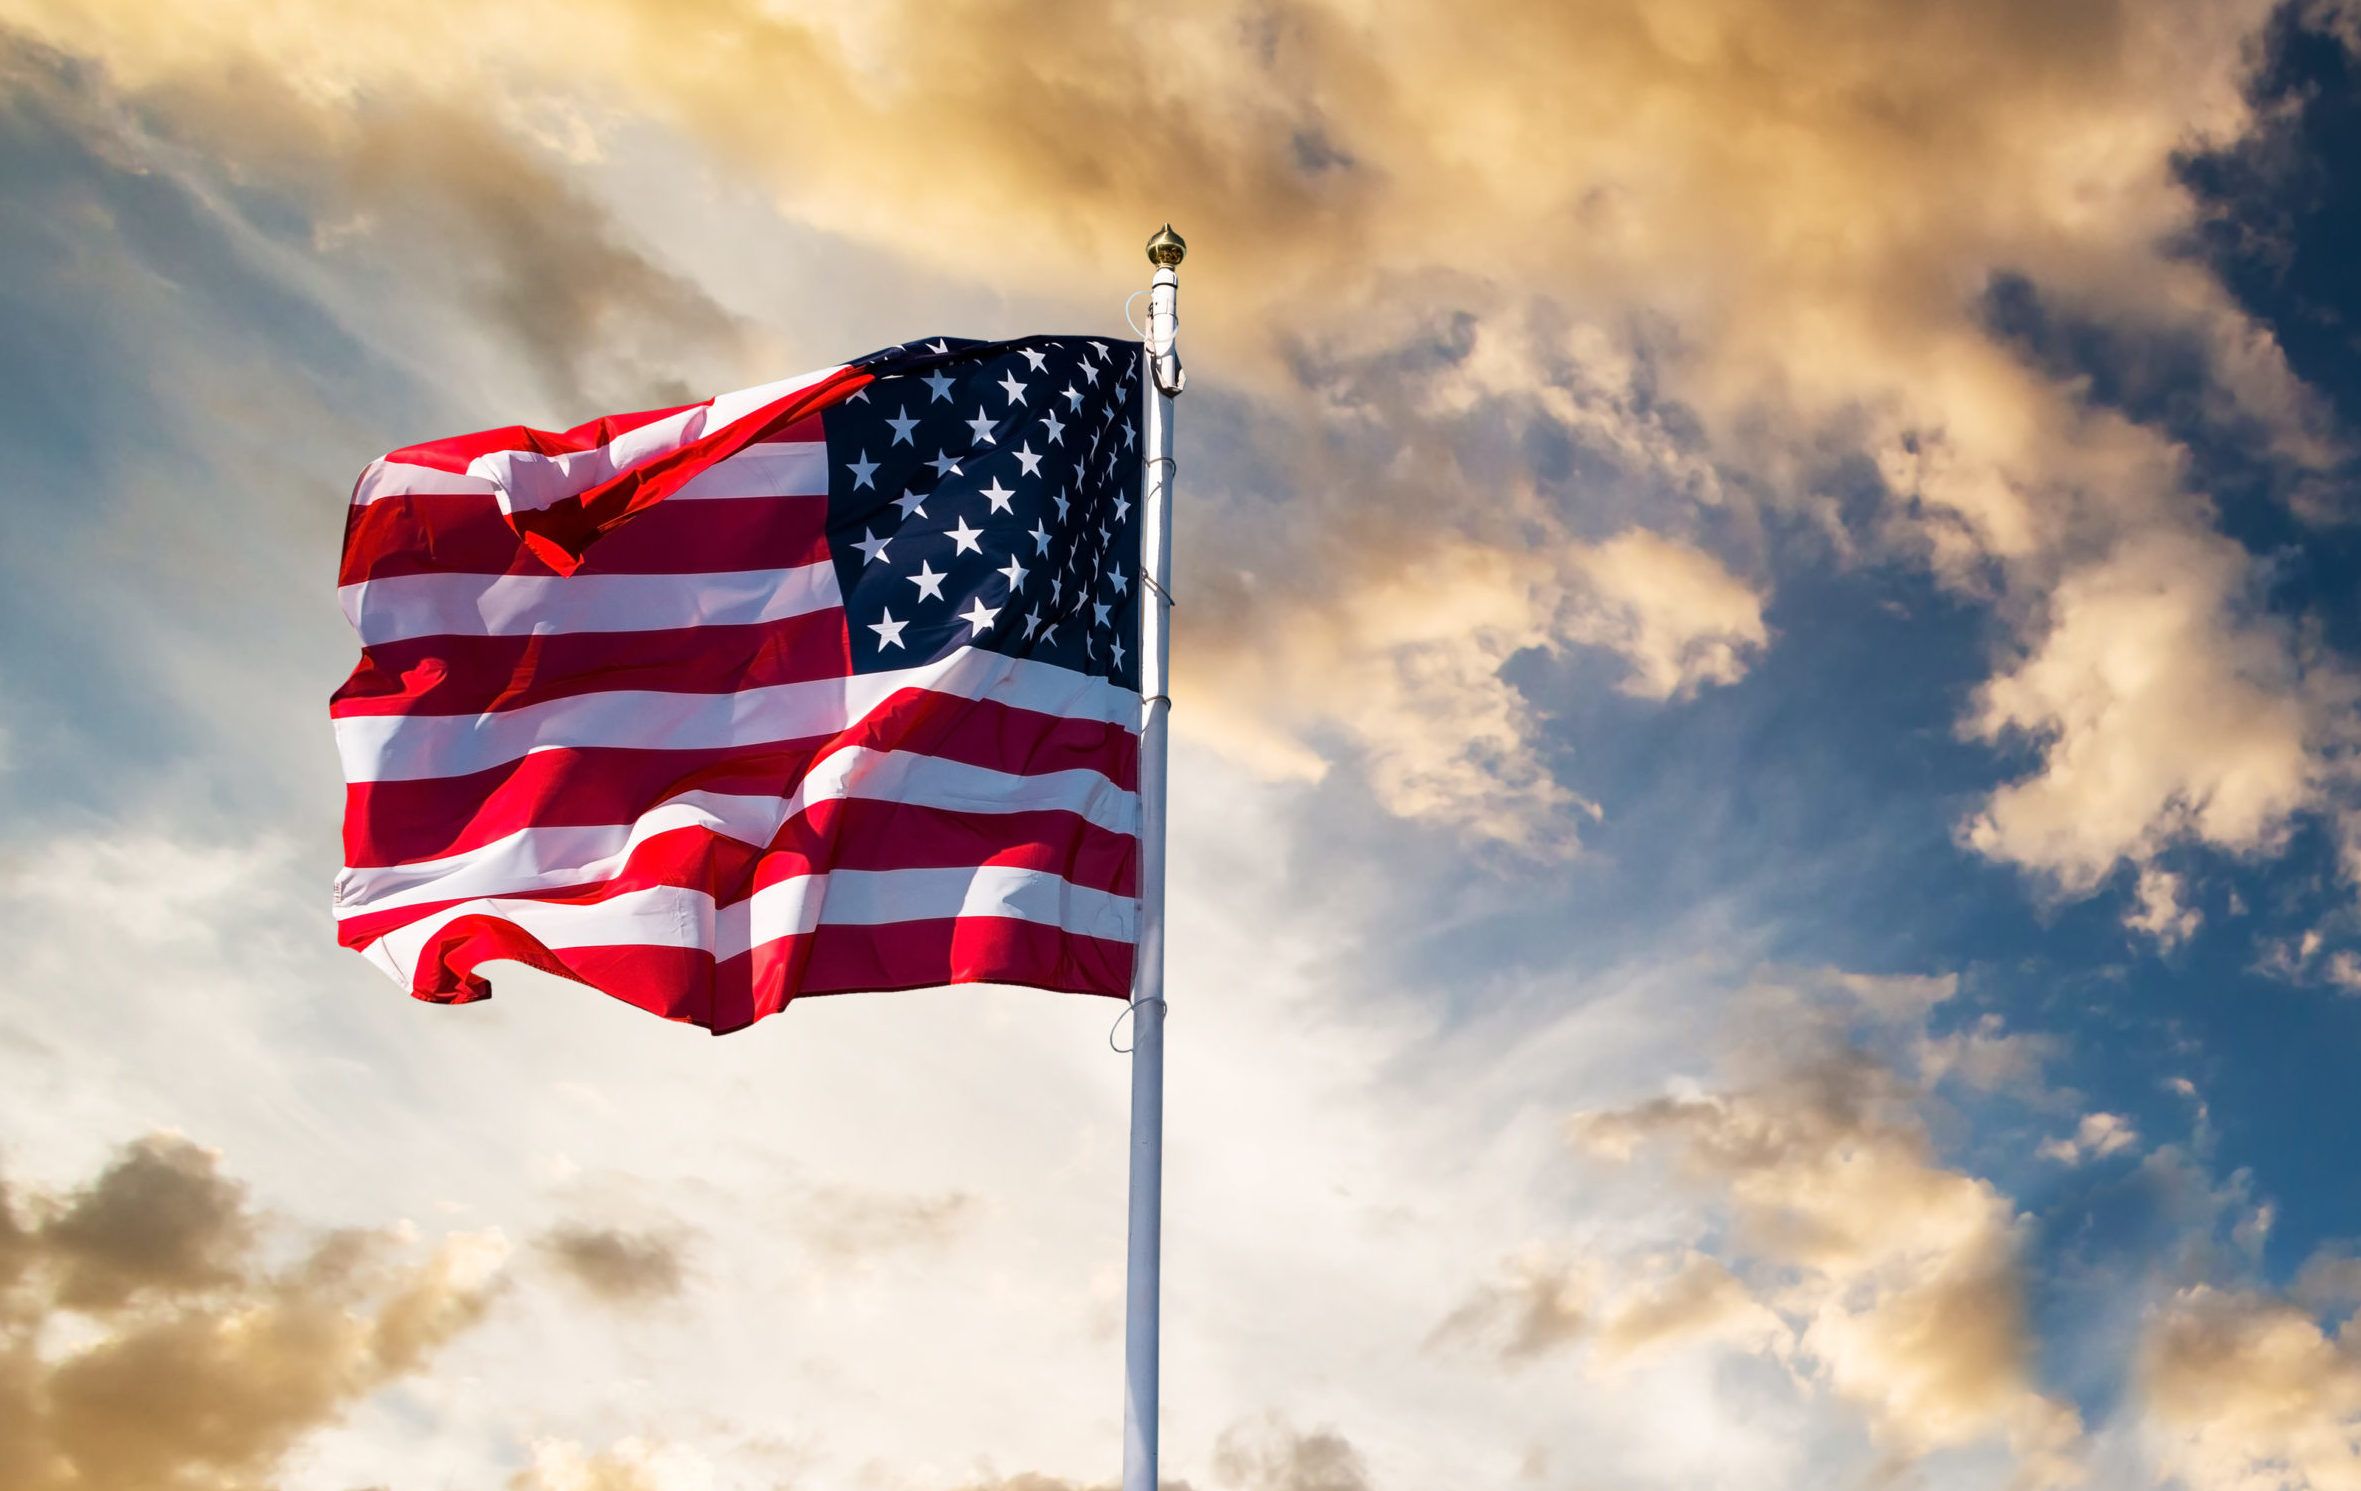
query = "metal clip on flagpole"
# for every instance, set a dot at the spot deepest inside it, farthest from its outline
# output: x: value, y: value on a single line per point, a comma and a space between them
x: 1144, y: 1261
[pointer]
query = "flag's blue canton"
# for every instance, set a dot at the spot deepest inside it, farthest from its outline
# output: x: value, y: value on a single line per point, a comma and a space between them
x: 988, y: 494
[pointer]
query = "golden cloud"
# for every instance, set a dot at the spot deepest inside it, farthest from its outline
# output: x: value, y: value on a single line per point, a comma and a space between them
x: 2244, y: 1391
x: 616, y: 1265
x: 1710, y: 239
x: 146, y: 1345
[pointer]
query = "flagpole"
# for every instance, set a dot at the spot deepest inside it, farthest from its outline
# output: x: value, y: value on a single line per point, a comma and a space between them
x: 1144, y: 1262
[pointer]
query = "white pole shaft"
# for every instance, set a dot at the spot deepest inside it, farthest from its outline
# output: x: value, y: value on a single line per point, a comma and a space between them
x: 1143, y: 1272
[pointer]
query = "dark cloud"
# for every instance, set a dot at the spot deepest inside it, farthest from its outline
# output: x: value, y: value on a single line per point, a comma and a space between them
x: 617, y: 1266
x: 844, y: 1224
x: 463, y: 210
x: 1538, y: 1306
x: 147, y: 1343
x: 161, y: 1217
x: 1272, y: 1455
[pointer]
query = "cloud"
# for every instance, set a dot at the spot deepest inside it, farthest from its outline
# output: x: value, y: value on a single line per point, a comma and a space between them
x: 631, y: 1464
x: 1272, y: 1455
x: 1541, y: 1305
x: 1700, y: 1300
x: 161, y: 1217
x: 2166, y: 706
x: 1892, y: 1279
x: 147, y: 1345
x: 2244, y: 1391
x: 2160, y: 912
x: 616, y: 1266
x: 1722, y: 248
x: 2096, y: 1137
x: 1669, y: 610
x: 473, y: 219
x: 846, y: 1224
x: 1407, y: 667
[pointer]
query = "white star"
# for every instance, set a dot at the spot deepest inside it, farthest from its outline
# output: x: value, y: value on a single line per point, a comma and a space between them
x: 1102, y: 610
x: 1057, y: 431
x: 1015, y: 390
x: 1073, y: 397
x: 1037, y: 359
x: 938, y: 348
x: 1028, y: 460
x: 1032, y: 621
x: 1105, y: 538
x: 873, y: 546
x: 1117, y: 647
x: 998, y: 496
x: 1016, y: 574
x: 1122, y: 507
x: 1101, y: 349
x: 927, y: 581
x: 1128, y: 432
x: 941, y: 384
x: 965, y: 537
x: 910, y: 502
x: 1116, y: 574
x: 862, y: 469
x: 944, y: 465
x: 978, y: 616
x: 1063, y: 503
x: 982, y: 425
x: 903, y: 424
x: 1089, y: 646
x: 1038, y: 536
x: 1090, y: 373
x: 889, y: 631
x: 1057, y: 590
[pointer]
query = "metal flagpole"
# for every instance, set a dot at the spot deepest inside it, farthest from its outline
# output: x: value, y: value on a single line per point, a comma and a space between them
x: 1144, y: 1260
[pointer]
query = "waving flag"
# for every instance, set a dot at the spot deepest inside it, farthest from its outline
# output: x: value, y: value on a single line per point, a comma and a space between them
x: 823, y: 686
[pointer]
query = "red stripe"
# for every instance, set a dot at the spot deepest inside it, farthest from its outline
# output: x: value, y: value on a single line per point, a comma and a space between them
x: 388, y: 823
x: 859, y: 833
x: 480, y: 675
x: 685, y: 983
x: 915, y: 955
x: 441, y: 535
x: 840, y: 834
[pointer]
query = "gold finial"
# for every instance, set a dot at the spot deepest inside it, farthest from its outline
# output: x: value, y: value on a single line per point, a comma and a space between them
x: 1166, y: 249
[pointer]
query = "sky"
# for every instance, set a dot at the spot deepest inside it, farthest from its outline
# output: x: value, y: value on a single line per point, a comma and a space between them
x: 1766, y: 867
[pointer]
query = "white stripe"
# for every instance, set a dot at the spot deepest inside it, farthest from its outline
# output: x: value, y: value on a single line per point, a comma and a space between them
x: 403, y: 748
x: 386, y: 478
x: 667, y: 916
x: 870, y: 898
x: 400, y: 607
x: 784, y: 468
x: 550, y: 858
x: 788, y: 468
x: 675, y: 916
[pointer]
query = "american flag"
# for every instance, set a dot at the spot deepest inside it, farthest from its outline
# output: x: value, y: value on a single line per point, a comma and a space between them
x: 822, y: 686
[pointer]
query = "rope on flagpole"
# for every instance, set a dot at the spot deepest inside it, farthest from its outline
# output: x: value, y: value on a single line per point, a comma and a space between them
x: 1172, y: 469
x: 1130, y: 1008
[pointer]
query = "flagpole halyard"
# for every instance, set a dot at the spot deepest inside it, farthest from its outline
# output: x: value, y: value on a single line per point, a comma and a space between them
x: 1143, y: 1263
